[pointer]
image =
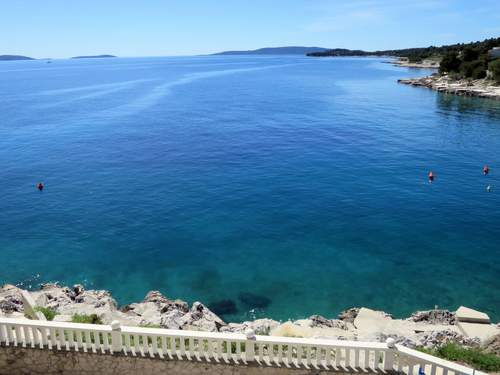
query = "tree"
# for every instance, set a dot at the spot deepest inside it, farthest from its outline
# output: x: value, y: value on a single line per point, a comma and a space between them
x: 494, y: 68
x: 470, y: 54
x: 450, y: 63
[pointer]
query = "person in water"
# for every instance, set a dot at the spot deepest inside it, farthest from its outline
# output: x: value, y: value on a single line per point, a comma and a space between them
x: 431, y: 177
x: 486, y: 170
x: 40, y: 186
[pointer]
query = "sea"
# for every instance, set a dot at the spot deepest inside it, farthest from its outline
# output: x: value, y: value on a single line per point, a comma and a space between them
x: 262, y: 186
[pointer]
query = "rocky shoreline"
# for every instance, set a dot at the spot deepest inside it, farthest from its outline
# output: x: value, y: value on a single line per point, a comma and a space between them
x: 427, y: 329
x: 481, y: 88
x: 425, y: 64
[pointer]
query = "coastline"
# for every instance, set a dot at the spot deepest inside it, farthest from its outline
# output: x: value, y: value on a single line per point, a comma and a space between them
x: 481, y: 88
x: 427, y: 329
x: 424, y: 64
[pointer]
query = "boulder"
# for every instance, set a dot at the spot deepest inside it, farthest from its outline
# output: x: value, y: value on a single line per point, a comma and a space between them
x: 349, y: 315
x: 11, y: 300
x: 201, y: 318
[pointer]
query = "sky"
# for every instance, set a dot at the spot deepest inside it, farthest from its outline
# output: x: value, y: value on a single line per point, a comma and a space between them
x: 65, y: 28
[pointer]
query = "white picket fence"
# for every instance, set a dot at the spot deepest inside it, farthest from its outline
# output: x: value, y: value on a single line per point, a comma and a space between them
x: 351, y: 356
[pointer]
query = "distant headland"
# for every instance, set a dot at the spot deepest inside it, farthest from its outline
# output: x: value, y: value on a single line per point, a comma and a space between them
x: 93, y: 57
x: 14, y: 57
x: 291, y: 50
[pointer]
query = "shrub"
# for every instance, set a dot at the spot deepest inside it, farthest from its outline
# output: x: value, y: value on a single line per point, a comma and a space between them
x: 471, y: 356
x: 88, y: 319
x: 494, y: 68
x: 48, y: 313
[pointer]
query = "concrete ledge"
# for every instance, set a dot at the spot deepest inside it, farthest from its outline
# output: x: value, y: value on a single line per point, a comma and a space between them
x: 466, y: 314
x: 479, y: 330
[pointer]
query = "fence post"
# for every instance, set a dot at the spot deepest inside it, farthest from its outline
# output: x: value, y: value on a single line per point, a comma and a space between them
x: 249, y: 344
x: 389, y: 354
x: 116, y: 337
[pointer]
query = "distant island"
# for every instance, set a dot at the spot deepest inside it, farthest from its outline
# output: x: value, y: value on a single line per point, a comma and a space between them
x: 292, y: 50
x: 14, y: 57
x: 93, y: 57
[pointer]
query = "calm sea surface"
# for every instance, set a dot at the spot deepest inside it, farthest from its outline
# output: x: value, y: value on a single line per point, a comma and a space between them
x: 289, y: 185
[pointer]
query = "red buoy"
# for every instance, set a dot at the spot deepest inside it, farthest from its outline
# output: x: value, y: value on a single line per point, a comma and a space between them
x: 431, y: 176
x: 40, y: 186
x: 486, y: 170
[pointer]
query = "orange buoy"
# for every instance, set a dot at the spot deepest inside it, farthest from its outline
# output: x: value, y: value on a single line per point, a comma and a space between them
x: 486, y: 170
x: 40, y: 186
x: 431, y: 176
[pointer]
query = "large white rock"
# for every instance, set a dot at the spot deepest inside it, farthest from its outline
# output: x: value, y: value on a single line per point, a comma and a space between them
x: 466, y: 314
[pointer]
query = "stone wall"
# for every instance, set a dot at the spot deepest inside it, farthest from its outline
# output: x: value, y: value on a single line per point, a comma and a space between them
x: 15, y: 361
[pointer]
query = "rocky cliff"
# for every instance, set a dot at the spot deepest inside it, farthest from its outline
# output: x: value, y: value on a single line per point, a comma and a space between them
x: 423, y: 328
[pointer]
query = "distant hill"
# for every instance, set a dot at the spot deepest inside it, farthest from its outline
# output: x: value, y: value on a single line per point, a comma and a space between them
x: 93, y: 57
x: 294, y: 50
x: 14, y: 57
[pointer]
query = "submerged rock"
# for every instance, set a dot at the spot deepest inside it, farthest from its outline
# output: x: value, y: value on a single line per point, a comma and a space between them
x: 223, y: 307
x: 254, y: 301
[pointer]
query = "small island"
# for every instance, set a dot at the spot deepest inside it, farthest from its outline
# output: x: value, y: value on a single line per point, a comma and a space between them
x: 93, y: 57
x: 14, y: 58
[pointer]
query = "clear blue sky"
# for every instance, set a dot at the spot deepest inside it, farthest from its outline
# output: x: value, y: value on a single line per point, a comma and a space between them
x: 62, y: 28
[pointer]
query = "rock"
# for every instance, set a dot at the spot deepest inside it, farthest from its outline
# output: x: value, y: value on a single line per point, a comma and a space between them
x: 172, y: 319
x: 322, y: 322
x: 156, y: 297
x: 444, y: 317
x: 260, y: 326
x: 435, y: 339
x: 10, y: 300
x: 349, y: 315
x: 202, y: 319
x: 492, y: 345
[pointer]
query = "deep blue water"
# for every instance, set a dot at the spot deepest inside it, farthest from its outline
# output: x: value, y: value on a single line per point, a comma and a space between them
x: 296, y: 179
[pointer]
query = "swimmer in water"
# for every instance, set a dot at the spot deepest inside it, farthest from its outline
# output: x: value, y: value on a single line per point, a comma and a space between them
x: 40, y: 186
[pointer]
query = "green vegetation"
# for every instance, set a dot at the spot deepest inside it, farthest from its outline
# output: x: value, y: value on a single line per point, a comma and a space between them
x: 88, y: 319
x: 473, y: 357
x: 150, y: 325
x: 48, y: 313
x: 470, y: 60
x: 494, y: 68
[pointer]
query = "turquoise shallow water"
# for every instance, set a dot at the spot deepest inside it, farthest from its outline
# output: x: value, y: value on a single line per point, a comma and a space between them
x: 301, y: 181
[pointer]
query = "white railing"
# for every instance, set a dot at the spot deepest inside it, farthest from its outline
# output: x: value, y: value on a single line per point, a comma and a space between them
x: 224, y: 347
